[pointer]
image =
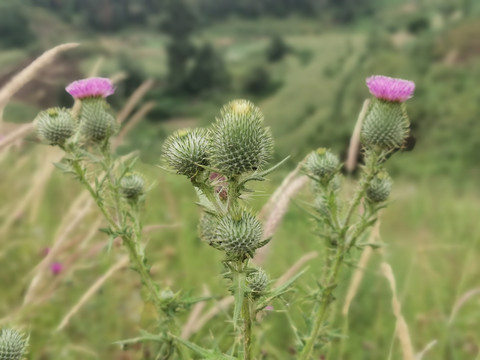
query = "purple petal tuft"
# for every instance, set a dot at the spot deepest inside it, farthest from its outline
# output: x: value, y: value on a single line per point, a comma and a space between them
x: 56, y: 268
x: 390, y: 89
x: 91, y: 87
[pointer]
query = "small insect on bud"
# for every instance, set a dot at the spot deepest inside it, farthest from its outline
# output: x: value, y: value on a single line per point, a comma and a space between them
x: 185, y: 151
x: 322, y: 164
x: 386, y: 124
x: 238, y: 142
x: 55, y: 125
x: 13, y: 344
x: 379, y: 188
x: 132, y: 186
x: 239, y: 238
x: 96, y: 122
x: 257, y: 282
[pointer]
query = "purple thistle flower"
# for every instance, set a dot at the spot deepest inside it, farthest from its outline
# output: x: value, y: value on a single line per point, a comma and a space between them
x: 390, y: 89
x: 91, y: 87
x: 56, y: 268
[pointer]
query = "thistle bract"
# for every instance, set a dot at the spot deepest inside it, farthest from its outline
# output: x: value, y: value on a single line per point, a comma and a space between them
x: 239, y: 238
x: 379, y: 188
x: 132, y: 186
x: 207, y: 227
x: 386, y: 125
x: 185, y: 151
x: 55, y: 125
x: 96, y: 122
x: 238, y: 142
x: 13, y: 344
x: 91, y: 87
x: 322, y: 164
x: 257, y: 282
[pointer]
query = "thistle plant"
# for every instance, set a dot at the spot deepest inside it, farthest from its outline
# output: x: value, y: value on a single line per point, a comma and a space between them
x: 84, y: 134
x: 341, y: 225
x: 220, y: 161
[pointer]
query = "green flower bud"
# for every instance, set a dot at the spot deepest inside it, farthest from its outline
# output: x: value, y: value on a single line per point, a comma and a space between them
x: 239, y: 238
x: 13, y: 344
x: 379, y: 188
x: 257, y: 282
x: 96, y: 122
x: 238, y: 142
x: 207, y: 227
x: 132, y: 185
x: 55, y: 125
x: 185, y: 151
x: 322, y: 164
x: 386, y: 125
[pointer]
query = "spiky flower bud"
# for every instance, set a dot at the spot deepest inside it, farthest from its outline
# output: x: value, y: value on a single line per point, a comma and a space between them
x: 207, y: 227
x: 13, y: 344
x: 132, y: 186
x: 185, y: 151
x: 322, y: 164
x: 379, y: 188
x: 238, y: 142
x: 386, y: 125
x: 55, y: 125
x: 257, y: 282
x: 239, y: 237
x: 96, y: 122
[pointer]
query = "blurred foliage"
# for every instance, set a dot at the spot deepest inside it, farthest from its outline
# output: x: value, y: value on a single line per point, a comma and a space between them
x: 14, y: 26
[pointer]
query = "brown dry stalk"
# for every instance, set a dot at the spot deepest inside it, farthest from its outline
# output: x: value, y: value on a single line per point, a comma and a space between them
x: 187, y: 330
x: 354, y: 146
x: 96, y: 67
x: 16, y: 135
x: 401, y: 328
x: 27, y: 74
x: 133, y: 100
x: 150, y: 228
x: 461, y: 301
x: 123, y: 262
x: 426, y: 349
x: 295, y: 268
x: 136, y: 118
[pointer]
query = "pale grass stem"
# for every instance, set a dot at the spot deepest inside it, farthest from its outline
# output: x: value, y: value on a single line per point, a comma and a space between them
x: 134, y: 99
x: 136, y: 118
x: 354, y: 147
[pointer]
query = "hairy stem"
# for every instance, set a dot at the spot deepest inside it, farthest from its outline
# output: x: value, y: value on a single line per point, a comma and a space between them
x: 247, y: 328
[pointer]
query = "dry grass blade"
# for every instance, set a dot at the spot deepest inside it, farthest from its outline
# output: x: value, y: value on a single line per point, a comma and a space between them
x: 401, y: 328
x: 150, y: 228
x: 427, y: 348
x: 295, y: 268
x: 460, y: 302
x: 136, y: 118
x: 96, y: 67
x: 27, y: 74
x: 15, y: 135
x: 123, y: 262
x: 354, y: 146
x: 137, y: 95
x: 187, y: 330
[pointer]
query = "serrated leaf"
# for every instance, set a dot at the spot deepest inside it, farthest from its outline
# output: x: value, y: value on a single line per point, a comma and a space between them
x: 206, y: 354
x: 63, y: 167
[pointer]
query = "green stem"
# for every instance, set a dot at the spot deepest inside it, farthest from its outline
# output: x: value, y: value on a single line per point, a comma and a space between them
x: 326, y: 299
x: 247, y: 328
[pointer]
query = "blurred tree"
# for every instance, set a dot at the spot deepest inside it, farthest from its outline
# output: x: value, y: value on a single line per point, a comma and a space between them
x: 14, y: 28
x: 258, y: 81
x: 277, y: 49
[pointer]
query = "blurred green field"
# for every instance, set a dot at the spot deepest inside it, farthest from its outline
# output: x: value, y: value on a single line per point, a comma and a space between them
x: 430, y: 230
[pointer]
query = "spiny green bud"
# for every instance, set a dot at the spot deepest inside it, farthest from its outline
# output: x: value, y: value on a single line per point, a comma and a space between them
x: 132, y: 186
x: 97, y: 123
x: 379, y: 188
x: 207, y: 227
x: 238, y: 142
x: 185, y: 151
x: 386, y: 125
x: 13, y: 344
x: 257, y: 282
x: 55, y: 125
x: 322, y: 164
x: 239, y: 237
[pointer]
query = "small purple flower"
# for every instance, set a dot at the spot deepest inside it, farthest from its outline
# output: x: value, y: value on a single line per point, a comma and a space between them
x: 269, y: 308
x: 56, y: 268
x: 91, y: 87
x: 390, y: 89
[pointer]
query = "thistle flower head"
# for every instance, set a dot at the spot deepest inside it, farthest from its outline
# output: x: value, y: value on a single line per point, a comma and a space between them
x: 132, y: 186
x: 390, y: 89
x: 257, y: 282
x: 56, y: 268
x: 238, y: 142
x: 322, y: 164
x: 185, y: 151
x: 239, y: 238
x: 91, y: 87
x: 13, y: 344
x: 379, y: 188
x: 96, y: 122
x: 55, y: 125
